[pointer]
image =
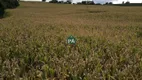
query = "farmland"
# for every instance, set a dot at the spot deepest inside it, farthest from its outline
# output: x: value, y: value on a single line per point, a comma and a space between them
x: 33, y: 42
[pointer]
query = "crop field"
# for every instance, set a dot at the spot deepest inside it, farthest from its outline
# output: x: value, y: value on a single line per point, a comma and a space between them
x: 33, y: 42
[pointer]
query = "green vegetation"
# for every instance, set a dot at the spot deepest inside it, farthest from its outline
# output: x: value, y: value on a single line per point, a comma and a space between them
x: 33, y: 42
x: 7, y: 4
x: 53, y: 1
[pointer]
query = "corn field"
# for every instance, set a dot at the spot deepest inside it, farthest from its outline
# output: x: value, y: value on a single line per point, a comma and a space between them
x: 33, y: 42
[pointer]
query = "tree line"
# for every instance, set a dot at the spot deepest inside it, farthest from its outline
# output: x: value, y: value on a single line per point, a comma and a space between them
x: 69, y: 2
x: 86, y: 2
x: 7, y: 4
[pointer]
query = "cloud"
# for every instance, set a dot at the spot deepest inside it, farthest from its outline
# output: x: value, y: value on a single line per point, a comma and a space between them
x: 103, y: 1
x: 117, y: 1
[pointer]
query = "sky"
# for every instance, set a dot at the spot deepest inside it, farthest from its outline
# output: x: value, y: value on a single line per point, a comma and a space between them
x: 120, y: 1
x: 114, y: 1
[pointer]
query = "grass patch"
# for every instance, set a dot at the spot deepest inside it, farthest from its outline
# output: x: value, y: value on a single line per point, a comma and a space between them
x: 7, y: 14
x: 139, y: 34
x: 96, y: 11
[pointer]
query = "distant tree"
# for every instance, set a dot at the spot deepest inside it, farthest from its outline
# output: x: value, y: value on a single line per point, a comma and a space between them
x: 88, y: 2
x: 110, y: 3
x: 127, y: 2
x: 43, y: 0
x: 98, y: 3
x: 84, y: 2
x: 53, y: 1
x: 106, y: 3
x: 68, y: 1
x: 123, y: 2
x: 60, y: 2
x: 91, y: 3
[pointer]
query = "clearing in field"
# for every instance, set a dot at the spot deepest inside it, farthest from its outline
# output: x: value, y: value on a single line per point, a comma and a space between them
x: 33, y: 42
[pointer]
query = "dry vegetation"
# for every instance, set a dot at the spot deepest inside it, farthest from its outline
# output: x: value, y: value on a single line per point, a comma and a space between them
x: 33, y: 42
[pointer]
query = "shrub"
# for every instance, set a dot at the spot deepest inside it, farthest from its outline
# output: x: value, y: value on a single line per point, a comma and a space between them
x: 106, y: 3
x: 84, y: 2
x: 10, y: 4
x: 7, y: 4
x: 127, y: 2
x: 53, y: 1
x: 110, y: 3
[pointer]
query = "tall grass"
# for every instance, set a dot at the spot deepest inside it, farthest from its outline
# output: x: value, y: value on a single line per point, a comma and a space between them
x: 33, y: 43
